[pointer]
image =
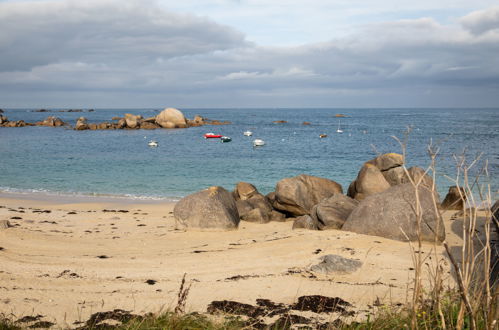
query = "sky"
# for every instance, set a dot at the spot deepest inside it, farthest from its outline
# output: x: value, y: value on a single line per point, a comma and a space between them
x: 249, y: 53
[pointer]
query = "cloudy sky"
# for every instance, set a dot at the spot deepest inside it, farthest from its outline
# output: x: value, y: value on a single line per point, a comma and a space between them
x: 249, y: 53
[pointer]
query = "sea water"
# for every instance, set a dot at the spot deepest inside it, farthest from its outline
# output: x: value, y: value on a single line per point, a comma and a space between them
x: 120, y: 163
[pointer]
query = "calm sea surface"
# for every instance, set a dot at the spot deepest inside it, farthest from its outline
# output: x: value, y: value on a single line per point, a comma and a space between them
x: 119, y: 162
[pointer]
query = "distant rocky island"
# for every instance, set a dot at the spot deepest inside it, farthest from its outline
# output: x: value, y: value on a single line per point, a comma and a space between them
x: 168, y: 118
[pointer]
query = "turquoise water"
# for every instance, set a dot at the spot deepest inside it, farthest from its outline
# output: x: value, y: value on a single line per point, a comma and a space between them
x: 119, y: 162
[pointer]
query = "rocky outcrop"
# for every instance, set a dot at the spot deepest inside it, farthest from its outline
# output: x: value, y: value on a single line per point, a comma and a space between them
x: 332, y: 212
x: 81, y: 124
x: 305, y: 222
x: 51, y: 121
x: 132, y: 121
x: 171, y: 118
x: 213, y: 208
x: 168, y: 118
x: 383, y: 172
x: 297, y: 196
x: 390, y: 214
x: 455, y: 199
x: 253, y: 206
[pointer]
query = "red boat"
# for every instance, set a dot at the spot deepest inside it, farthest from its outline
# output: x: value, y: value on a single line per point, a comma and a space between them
x: 212, y: 136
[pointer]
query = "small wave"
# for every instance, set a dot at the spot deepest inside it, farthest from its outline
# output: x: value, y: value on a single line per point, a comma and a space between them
x: 49, y: 193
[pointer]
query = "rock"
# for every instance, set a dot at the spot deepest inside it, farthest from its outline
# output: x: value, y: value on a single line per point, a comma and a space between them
x: 212, y: 208
x: 333, y: 212
x: 149, y: 120
x: 332, y: 263
x: 395, y: 176
x: 243, y: 207
x: 340, y: 115
x: 116, y: 118
x: 369, y: 181
x: 121, y: 123
x: 305, y: 222
x: 257, y: 216
x: 277, y: 216
x: 245, y: 190
x: 81, y: 124
x: 1, y: 110
x: 132, y: 121
x: 390, y: 212
x: 387, y: 161
x: 92, y: 126
x: 377, y: 175
x: 4, y: 224
x: 455, y: 198
x: 169, y: 117
x: 148, y: 125
x: 198, y: 119
x: 416, y: 173
x: 297, y: 195
x: 103, y: 126
x: 3, y: 119
x: 257, y: 201
x: 53, y: 122
x: 306, y: 123
x: 495, y: 214
x: 280, y: 122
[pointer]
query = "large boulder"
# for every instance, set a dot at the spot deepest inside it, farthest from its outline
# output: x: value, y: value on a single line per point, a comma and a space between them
x: 391, y: 214
x: 369, y: 181
x: 383, y: 172
x: 455, y: 199
x: 171, y: 118
x: 332, y: 212
x: 212, y: 208
x: 3, y: 119
x: 132, y: 121
x: 245, y: 190
x: 81, y: 124
x: 298, y: 195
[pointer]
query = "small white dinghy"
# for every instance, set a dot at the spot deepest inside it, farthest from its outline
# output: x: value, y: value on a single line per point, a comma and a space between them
x: 153, y: 143
x: 248, y: 133
x: 258, y: 143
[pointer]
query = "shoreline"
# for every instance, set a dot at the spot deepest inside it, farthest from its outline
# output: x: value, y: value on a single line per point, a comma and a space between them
x: 67, y: 259
x: 63, y: 197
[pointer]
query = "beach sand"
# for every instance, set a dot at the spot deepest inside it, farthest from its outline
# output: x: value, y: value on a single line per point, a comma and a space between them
x: 68, y: 259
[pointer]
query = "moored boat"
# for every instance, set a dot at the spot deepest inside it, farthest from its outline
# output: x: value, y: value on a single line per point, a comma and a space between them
x: 225, y: 139
x: 258, y: 142
x: 153, y: 143
x: 212, y: 136
x: 248, y: 133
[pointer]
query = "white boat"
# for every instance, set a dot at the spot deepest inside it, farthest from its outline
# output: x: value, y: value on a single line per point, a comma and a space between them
x: 153, y: 143
x: 258, y: 142
x: 339, y: 130
x: 248, y: 133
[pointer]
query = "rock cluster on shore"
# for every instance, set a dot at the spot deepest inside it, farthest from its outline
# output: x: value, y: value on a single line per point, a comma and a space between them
x: 168, y: 118
x: 380, y: 201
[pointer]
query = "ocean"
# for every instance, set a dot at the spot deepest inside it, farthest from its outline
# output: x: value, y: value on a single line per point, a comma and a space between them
x: 119, y: 163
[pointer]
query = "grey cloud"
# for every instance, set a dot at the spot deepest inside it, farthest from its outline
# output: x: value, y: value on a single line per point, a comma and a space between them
x: 103, y: 31
x: 411, y: 62
x: 482, y: 21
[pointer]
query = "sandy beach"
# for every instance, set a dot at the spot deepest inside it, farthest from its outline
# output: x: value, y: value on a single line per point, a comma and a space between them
x: 68, y: 259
